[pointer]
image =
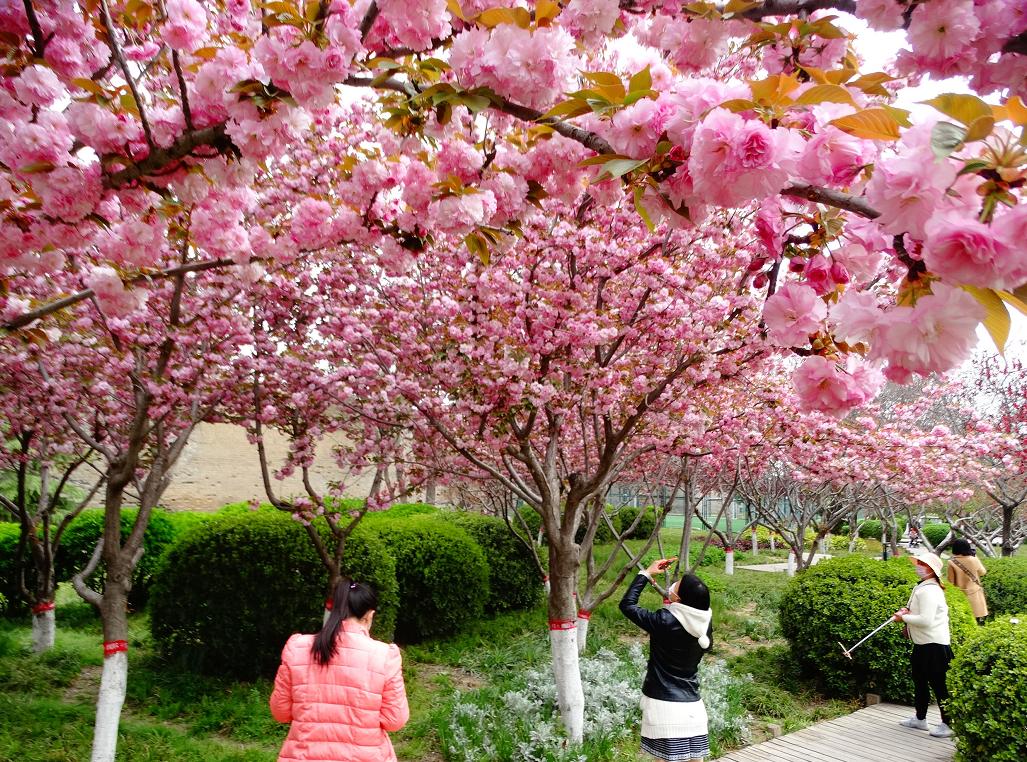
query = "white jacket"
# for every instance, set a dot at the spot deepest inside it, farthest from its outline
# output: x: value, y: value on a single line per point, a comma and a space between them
x: 928, y: 616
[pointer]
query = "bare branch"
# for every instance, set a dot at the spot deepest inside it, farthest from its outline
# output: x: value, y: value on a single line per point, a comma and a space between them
x: 79, y: 580
x: 119, y: 56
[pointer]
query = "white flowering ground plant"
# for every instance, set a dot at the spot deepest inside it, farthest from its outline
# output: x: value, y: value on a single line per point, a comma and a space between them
x: 516, y: 719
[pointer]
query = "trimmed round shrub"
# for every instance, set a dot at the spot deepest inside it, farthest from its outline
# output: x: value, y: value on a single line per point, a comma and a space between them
x: 80, y: 539
x: 935, y: 533
x: 988, y: 683
x: 229, y: 594
x: 514, y: 581
x: 1005, y: 584
x: 442, y: 574
x: 871, y: 529
x: 646, y: 525
x: 839, y: 601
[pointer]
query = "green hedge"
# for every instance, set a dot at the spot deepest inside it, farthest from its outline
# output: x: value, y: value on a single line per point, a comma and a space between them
x: 645, y: 527
x: 80, y: 539
x: 871, y: 529
x: 442, y: 574
x: 9, y: 587
x: 936, y: 533
x: 1005, y: 584
x: 514, y: 581
x: 227, y: 596
x: 843, y: 599
x: 988, y: 683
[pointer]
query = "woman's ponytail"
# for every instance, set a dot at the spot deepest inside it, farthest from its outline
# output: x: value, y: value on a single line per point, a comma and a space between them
x: 350, y: 599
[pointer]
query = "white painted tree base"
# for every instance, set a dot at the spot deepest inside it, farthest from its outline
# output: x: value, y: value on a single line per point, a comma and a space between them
x: 582, y: 634
x: 729, y: 561
x: 44, y: 631
x: 791, y: 565
x: 570, y: 696
x: 113, y: 682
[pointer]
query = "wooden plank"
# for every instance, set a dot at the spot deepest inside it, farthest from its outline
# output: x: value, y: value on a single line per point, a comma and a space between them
x: 840, y: 747
x: 807, y: 752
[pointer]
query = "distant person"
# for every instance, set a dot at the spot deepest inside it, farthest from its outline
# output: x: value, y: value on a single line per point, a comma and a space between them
x: 341, y: 689
x: 965, y: 572
x: 927, y: 619
x: 674, y: 721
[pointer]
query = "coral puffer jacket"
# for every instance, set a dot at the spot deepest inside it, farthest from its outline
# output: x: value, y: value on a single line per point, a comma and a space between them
x: 340, y: 712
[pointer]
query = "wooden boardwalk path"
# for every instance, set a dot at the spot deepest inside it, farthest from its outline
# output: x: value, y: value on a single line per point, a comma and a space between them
x: 872, y: 734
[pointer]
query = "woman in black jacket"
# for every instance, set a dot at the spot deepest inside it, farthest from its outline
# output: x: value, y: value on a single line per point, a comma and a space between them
x: 674, y: 722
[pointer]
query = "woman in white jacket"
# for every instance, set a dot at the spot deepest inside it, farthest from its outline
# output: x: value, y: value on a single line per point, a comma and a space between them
x: 927, y: 619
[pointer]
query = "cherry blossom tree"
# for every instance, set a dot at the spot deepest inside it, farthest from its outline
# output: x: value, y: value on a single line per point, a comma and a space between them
x: 38, y: 446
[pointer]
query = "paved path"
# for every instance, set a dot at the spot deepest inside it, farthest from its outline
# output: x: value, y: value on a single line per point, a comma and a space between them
x: 777, y: 567
x: 872, y: 734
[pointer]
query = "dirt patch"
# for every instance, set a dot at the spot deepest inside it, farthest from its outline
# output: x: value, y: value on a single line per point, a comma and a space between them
x: 84, y: 688
x: 462, y: 679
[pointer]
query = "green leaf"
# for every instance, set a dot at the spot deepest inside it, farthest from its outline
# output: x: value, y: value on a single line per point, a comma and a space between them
x: 825, y: 94
x: 619, y: 167
x: 640, y: 208
x: 963, y: 108
x: 643, y: 80
x: 996, y: 319
x: 946, y: 138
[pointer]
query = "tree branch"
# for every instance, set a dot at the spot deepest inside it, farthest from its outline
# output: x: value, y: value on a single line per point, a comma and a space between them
x: 120, y: 58
x: 368, y: 21
x: 158, y: 158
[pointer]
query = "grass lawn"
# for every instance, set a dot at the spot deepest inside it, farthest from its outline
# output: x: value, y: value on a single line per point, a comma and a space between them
x: 46, y: 701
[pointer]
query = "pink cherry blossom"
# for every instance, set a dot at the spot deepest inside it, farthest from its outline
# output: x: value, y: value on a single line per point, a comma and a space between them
x: 963, y: 250
x: 186, y: 24
x: 822, y: 385
x: 114, y: 299
x: 856, y: 317
x: 590, y: 18
x: 943, y: 30
x: 39, y: 86
x: 907, y: 190
x: 793, y: 313
x: 834, y: 158
x: 735, y: 160
x: 637, y: 128
x: 883, y: 15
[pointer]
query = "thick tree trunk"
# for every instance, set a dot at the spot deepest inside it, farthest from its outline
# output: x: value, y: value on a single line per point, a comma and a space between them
x: 729, y: 560
x: 44, y: 627
x: 563, y: 638
x: 791, y: 563
x: 755, y: 543
x: 114, y: 678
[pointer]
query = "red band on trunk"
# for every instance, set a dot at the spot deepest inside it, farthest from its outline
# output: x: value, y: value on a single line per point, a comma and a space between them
x: 584, y: 615
x: 40, y: 608
x: 328, y: 604
x: 111, y: 647
x: 729, y: 550
x: 545, y: 578
x: 562, y: 624
x: 666, y: 601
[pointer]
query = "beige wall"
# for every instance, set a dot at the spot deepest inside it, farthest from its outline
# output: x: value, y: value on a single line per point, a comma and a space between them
x: 220, y: 466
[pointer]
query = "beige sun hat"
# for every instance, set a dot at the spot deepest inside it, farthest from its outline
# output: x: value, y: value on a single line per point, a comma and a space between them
x: 931, y: 561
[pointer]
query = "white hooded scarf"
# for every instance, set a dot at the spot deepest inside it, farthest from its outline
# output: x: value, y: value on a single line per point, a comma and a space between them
x: 695, y: 621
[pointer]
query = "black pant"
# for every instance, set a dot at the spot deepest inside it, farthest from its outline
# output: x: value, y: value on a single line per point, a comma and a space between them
x: 930, y: 663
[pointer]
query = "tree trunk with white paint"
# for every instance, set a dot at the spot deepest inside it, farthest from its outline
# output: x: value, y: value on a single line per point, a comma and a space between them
x: 582, y: 625
x: 44, y: 630
x: 729, y: 560
x: 773, y: 545
x: 791, y: 563
x: 755, y: 544
x: 563, y: 638
x: 114, y: 678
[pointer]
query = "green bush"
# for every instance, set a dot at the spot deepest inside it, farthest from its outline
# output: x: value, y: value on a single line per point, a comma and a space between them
x: 841, y: 543
x: 843, y: 599
x: 714, y: 555
x: 514, y: 581
x: 80, y: 539
x: 531, y: 518
x: 871, y: 529
x: 646, y: 526
x: 1005, y: 584
x: 227, y: 596
x: 442, y: 574
x: 603, y: 534
x: 9, y: 586
x: 988, y: 682
x: 935, y: 533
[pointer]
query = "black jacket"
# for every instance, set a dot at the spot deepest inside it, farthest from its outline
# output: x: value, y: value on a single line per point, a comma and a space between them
x: 674, y: 655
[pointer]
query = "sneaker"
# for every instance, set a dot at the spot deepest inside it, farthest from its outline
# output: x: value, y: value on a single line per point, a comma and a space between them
x: 914, y: 722
x: 941, y: 730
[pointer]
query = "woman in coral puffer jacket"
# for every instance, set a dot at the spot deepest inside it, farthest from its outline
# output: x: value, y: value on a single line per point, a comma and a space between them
x: 341, y: 689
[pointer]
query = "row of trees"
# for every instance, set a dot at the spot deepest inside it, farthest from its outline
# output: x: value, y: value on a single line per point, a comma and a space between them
x: 554, y: 275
